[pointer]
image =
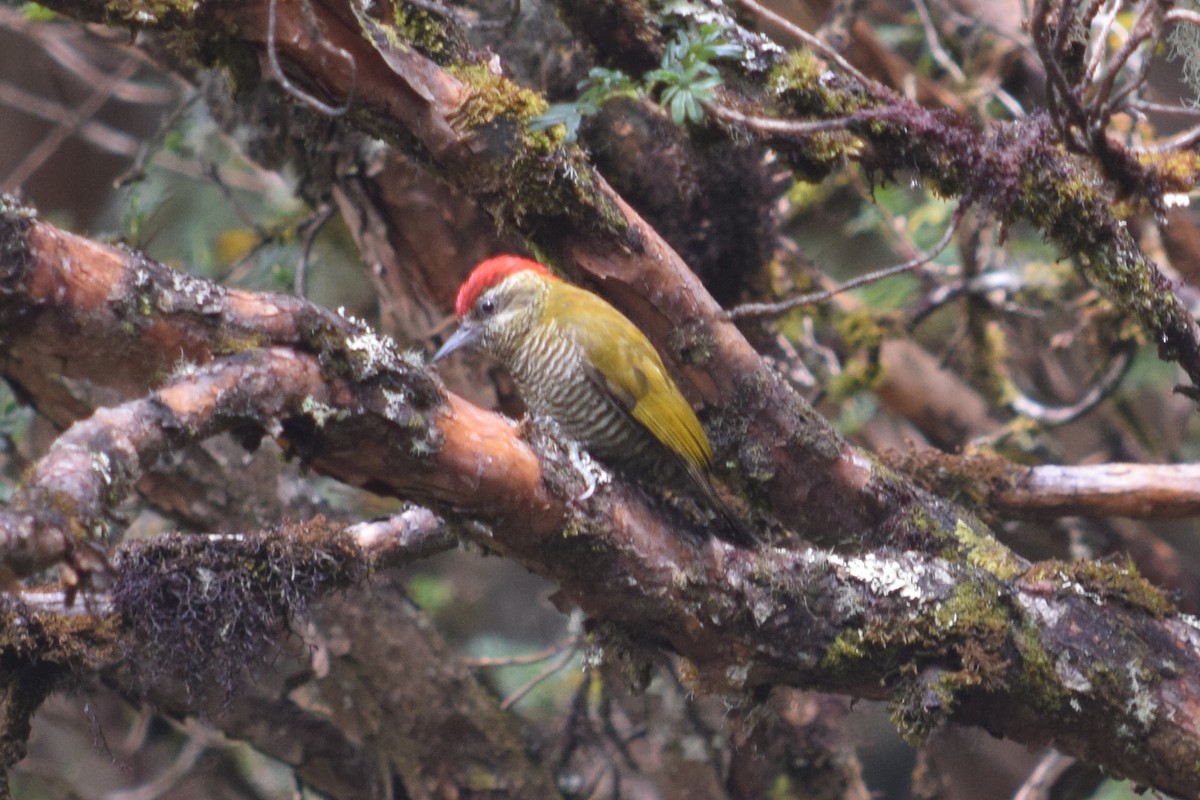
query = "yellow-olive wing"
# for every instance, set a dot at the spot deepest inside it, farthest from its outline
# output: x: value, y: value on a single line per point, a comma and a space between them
x: 627, y: 366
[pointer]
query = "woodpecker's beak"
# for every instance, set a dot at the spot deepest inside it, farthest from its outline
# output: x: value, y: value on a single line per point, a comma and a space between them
x: 466, y: 336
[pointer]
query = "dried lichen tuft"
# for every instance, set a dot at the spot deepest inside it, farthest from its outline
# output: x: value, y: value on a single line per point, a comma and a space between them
x: 203, y: 609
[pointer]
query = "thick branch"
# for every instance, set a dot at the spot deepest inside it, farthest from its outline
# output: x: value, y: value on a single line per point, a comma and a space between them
x: 1143, y: 491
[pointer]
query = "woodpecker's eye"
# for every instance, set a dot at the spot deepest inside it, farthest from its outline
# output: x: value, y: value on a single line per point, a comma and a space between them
x: 487, y: 307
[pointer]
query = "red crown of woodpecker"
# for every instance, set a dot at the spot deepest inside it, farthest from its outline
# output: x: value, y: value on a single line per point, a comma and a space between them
x: 487, y: 274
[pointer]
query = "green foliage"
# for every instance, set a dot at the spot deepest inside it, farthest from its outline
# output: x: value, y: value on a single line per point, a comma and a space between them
x: 685, y: 80
x: 600, y: 86
x: 35, y: 12
x: 854, y: 412
x: 1113, y: 789
x: 15, y: 420
x: 431, y: 593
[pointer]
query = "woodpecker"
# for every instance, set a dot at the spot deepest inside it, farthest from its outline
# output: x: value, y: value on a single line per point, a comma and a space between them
x: 579, y: 361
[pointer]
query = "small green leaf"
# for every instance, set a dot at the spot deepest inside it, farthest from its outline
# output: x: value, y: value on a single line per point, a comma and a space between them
x: 36, y: 12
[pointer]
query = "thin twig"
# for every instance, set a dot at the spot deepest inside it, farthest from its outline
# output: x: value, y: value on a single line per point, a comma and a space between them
x: 1060, y: 96
x: 1184, y: 140
x: 776, y: 126
x: 813, y: 42
x: 167, y: 780
x: 1061, y: 415
x: 293, y: 89
x: 314, y: 226
x: 150, y: 147
x: 1138, y: 35
x: 95, y: 101
x: 756, y: 310
x: 70, y: 49
x: 981, y: 284
x: 571, y: 642
x: 1165, y: 108
x: 1098, y: 43
x: 1047, y: 772
x: 934, y: 39
x: 563, y: 659
x: 99, y: 134
x: 1182, y: 15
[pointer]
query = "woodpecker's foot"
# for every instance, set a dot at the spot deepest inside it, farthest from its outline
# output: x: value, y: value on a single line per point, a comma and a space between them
x: 593, y: 474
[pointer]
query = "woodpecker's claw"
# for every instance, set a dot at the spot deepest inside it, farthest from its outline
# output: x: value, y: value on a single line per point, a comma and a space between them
x: 593, y: 474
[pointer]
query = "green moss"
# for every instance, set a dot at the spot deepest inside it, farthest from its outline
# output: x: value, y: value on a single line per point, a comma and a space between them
x: 861, y: 333
x: 487, y: 97
x: 543, y: 181
x: 1064, y: 195
x: 924, y: 525
x: 1037, y: 678
x: 171, y: 14
x: 534, y: 176
x: 799, y: 80
x: 975, y: 629
x: 860, y: 329
x: 955, y: 646
x: 804, y: 86
x: 42, y: 652
x: 859, y: 375
x: 848, y: 649
x: 481, y: 779
x: 1176, y: 171
x: 692, y: 345
x: 983, y: 551
x: 756, y: 462
x: 782, y: 788
x: 1106, y: 582
x: 230, y: 345
x: 420, y: 28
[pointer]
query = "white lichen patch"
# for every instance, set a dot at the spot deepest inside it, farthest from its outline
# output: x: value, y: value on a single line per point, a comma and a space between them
x: 1069, y: 584
x: 395, y: 405
x: 102, y: 466
x: 889, y: 576
x: 377, y: 353
x: 320, y: 412
x: 413, y: 358
x: 205, y: 295
x: 1141, y: 704
x: 763, y: 610
x: 737, y: 675
x: 1185, y: 628
x: 1039, y: 608
x: 1070, y: 676
x: 183, y: 368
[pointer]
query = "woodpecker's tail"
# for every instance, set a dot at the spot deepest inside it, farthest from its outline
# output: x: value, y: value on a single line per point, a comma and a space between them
x: 729, y: 524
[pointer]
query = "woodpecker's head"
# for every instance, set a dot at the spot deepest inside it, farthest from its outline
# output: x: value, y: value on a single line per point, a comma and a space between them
x: 497, y: 305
